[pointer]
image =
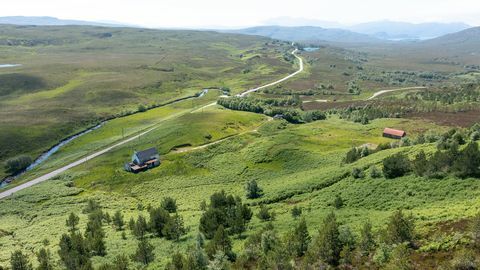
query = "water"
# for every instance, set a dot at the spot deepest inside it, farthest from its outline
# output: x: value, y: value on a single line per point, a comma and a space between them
x: 52, y: 151
x: 310, y: 49
x: 57, y: 147
x: 9, y: 65
x: 203, y: 93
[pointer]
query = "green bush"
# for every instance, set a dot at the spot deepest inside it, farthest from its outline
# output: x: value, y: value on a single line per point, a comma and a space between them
x: 17, y: 164
x: 396, y: 166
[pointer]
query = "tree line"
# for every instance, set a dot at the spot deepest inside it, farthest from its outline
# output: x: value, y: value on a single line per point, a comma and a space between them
x: 283, y: 108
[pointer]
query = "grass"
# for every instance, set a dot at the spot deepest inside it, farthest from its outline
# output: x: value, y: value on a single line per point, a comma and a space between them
x: 294, y: 164
x: 78, y: 77
x: 71, y: 77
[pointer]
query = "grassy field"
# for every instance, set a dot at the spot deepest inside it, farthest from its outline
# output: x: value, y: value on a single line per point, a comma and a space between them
x: 296, y: 165
x: 72, y: 77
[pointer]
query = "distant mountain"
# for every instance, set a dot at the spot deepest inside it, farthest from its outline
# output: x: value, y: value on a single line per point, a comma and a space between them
x: 25, y: 20
x: 401, y: 30
x: 463, y: 42
x: 291, y: 21
x: 307, y: 33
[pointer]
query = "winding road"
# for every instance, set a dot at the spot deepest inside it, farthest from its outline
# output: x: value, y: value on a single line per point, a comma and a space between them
x: 381, y: 92
x: 300, y: 61
x: 56, y: 172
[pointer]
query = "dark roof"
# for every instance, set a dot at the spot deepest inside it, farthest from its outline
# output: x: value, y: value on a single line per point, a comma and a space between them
x: 394, y: 132
x: 145, y: 155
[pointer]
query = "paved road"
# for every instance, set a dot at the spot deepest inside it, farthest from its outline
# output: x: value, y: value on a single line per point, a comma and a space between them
x: 71, y: 165
x: 243, y: 94
x: 381, y: 92
x: 96, y: 154
x: 300, y: 61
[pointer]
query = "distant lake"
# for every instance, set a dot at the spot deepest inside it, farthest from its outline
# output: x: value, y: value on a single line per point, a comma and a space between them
x: 9, y: 65
x: 310, y: 49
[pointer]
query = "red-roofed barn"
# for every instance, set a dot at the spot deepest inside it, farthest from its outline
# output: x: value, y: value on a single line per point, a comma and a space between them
x: 394, y: 133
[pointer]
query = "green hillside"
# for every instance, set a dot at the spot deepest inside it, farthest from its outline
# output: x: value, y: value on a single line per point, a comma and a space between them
x: 72, y: 77
x: 296, y: 176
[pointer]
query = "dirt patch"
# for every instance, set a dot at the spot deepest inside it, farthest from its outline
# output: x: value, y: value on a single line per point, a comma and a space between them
x: 459, y: 119
x: 431, y: 260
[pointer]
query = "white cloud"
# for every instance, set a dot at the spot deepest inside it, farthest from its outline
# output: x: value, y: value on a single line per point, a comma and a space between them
x: 198, y: 13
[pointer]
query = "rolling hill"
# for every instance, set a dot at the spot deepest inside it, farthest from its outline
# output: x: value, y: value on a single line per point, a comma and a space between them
x: 307, y: 33
x: 86, y: 74
x: 33, y: 20
x: 401, y: 30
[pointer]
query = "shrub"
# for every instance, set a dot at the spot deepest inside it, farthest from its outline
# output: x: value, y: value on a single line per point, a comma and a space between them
x: 253, y: 190
x: 400, y: 228
x: 296, y: 212
x: 169, y: 204
x: 396, y: 166
x: 17, y: 164
x: 357, y: 173
x: 142, y: 108
x: 338, y: 202
x: 19, y: 261
x: 375, y: 172
x: 264, y: 214
x: 352, y: 155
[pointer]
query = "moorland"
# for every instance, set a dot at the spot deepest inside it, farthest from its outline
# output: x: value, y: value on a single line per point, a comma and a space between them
x: 294, y: 176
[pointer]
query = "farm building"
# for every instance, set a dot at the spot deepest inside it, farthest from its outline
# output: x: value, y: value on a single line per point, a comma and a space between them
x: 143, y: 160
x: 394, y: 133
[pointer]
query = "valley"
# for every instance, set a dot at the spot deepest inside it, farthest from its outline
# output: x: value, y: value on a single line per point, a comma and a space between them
x: 283, y: 137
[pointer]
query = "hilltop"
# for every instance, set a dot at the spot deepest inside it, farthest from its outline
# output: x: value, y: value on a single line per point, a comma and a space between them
x: 307, y: 33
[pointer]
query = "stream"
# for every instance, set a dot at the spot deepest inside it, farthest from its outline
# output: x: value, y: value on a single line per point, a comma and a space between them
x: 43, y: 157
x: 9, y: 65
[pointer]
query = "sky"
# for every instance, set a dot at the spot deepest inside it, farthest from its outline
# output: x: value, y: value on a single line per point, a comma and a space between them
x: 241, y: 13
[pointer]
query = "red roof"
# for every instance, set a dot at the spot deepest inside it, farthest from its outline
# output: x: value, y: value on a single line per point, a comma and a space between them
x: 394, y: 132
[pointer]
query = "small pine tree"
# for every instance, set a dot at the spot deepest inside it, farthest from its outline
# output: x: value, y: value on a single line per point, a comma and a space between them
x: 296, y: 212
x: 118, y: 220
x: 367, y: 242
x: 19, y: 261
x: 467, y: 164
x: 420, y: 163
x: 95, y: 235
x: 131, y: 224
x: 375, y: 172
x: 140, y: 227
x: 352, y: 155
x: 338, y: 202
x: 169, y: 204
x: 44, y: 260
x: 400, y: 228
x: 301, y: 238
x: 396, y: 166
x: 174, y: 228
x: 220, y: 243
x: 327, y: 245
x: 74, y: 252
x: 159, y: 217
x: 72, y: 222
x: 144, y: 253
x: 252, y: 189
x: 264, y: 214
x: 358, y: 173
x: 91, y: 206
